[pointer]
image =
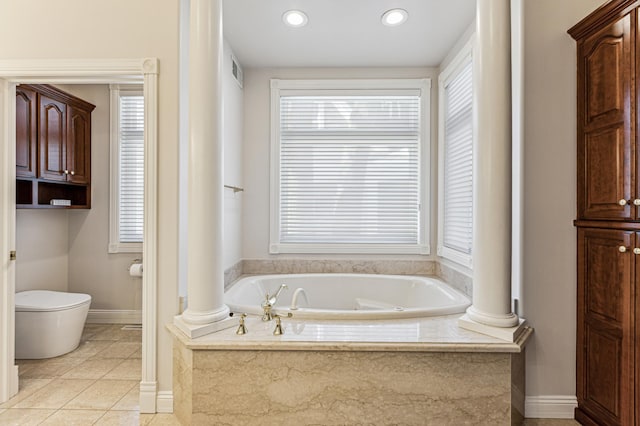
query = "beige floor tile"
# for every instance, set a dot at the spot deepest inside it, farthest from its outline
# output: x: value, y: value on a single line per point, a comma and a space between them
x: 119, y: 350
x: 55, y: 394
x: 92, y: 369
x: 129, y: 402
x: 74, y: 418
x: 24, y: 416
x: 89, y: 348
x: 2, y: 410
x: 102, y: 395
x: 26, y: 387
x: 129, y: 369
x: 51, y: 368
x: 137, y: 354
x: 91, y: 330
x: 119, y: 418
x: 116, y: 333
x: 164, y: 420
x: 550, y: 422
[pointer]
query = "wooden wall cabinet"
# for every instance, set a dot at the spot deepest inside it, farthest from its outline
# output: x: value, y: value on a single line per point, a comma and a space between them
x: 53, y: 147
x: 608, y: 215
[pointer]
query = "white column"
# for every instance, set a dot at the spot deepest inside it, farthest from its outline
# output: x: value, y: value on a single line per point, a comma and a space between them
x: 492, y: 170
x: 206, y: 310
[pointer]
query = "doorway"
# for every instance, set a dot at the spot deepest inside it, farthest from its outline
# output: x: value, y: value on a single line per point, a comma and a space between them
x: 143, y: 71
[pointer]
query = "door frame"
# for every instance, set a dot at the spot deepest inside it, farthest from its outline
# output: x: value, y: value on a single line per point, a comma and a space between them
x: 78, y: 71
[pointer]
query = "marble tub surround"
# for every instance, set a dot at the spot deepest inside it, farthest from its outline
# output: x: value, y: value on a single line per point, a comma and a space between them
x: 343, y: 384
x: 412, y: 372
x: 232, y: 273
x: 455, y: 278
x: 309, y: 266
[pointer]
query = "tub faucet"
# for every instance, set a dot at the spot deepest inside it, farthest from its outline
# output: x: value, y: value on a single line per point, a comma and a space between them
x: 268, y: 303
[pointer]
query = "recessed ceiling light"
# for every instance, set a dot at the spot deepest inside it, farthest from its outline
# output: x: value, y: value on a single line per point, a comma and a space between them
x: 394, y: 17
x: 295, y: 18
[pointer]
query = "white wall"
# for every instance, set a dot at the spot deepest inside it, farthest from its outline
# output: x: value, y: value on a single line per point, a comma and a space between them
x: 257, y: 149
x: 92, y: 269
x: 42, y: 247
x: 83, y: 29
x: 549, y: 270
x: 232, y: 117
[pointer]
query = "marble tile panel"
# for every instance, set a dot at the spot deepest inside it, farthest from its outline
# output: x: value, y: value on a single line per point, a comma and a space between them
x: 302, y: 266
x: 26, y: 387
x: 119, y: 350
x: 55, y: 394
x: 73, y: 418
x: 129, y: 402
x: 128, y: 369
x: 233, y: 273
x: 456, y: 279
x: 24, y: 416
x: 120, y: 418
x: 92, y: 368
x: 182, y: 382
x: 102, y: 395
x: 350, y: 387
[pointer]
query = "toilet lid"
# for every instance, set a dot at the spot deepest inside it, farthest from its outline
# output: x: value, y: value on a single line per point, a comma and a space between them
x: 46, y: 300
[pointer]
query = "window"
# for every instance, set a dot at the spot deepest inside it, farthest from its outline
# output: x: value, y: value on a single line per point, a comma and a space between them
x: 455, y: 206
x: 127, y: 169
x: 349, y: 161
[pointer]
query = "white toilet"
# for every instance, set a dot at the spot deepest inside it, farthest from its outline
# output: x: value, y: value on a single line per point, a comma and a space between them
x: 49, y: 323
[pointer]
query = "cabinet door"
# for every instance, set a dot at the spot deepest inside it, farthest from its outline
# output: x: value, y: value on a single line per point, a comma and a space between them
x: 605, y: 338
x: 605, y: 132
x: 26, y: 132
x: 79, y: 145
x: 52, y: 136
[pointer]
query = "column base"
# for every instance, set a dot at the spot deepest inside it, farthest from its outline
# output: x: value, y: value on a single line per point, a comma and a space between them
x: 194, y: 331
x: 509, y: 334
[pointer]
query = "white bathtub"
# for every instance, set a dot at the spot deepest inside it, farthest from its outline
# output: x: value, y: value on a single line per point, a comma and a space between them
x: 348, y: 296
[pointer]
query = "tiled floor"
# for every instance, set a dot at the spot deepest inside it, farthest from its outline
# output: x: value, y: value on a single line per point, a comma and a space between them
x: 95, y: 384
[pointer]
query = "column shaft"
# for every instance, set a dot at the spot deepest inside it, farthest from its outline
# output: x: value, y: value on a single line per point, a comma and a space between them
x: 492, y: 166
x: 205, y: 272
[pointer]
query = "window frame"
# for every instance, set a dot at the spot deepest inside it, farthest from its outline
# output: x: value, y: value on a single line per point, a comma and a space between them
x: 115, y: 93
x: 362, y: 86
x: 460, y: 60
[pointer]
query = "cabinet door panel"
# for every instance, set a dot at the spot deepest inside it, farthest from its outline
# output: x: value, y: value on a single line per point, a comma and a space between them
x: 605, y: 337
x: 52, y: 135
x: 26, y: 132
x: 605, y: 132
x: 79, y: 145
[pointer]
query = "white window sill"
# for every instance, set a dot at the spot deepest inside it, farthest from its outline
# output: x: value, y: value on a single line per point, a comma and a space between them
x: 349, y: 249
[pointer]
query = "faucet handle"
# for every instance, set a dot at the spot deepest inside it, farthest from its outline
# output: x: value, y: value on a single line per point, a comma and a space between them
x: 278, y: 330
x: 241, y: 327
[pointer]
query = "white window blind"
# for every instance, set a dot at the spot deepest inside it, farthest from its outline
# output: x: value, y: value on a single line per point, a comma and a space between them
x: 131, y: 197
x: 126, y: 205
x: 350, y: 169
x: 457, y: 185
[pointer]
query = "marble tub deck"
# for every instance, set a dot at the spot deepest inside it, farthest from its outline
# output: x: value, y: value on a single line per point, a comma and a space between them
x: 413, y: 372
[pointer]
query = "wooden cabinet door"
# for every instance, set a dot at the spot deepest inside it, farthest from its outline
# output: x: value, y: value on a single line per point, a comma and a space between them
x: 606, y: 131
x: 52, y: 139
x: 78, y: 145
x: 26, y: 132
x: 605, y: 338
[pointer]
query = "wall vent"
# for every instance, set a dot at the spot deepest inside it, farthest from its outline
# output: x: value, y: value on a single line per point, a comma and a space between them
x: 236, y: 70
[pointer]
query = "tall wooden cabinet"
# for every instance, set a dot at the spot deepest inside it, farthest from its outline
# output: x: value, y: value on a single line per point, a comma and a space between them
x: 608, y: 215
x: 53, y: 147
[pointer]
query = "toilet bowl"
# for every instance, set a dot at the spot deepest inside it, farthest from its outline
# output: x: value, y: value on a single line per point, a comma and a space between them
x: 49, y: 323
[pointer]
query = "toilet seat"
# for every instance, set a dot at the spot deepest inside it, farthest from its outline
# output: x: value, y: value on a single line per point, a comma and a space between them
x: 49, y: 301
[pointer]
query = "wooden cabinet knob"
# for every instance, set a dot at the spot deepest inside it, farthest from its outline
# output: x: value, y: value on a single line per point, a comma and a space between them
x: 623, y: 202
x: 72, y: 173
x: 622, y: 249
x: 636, y: 250
x: 66, y: 172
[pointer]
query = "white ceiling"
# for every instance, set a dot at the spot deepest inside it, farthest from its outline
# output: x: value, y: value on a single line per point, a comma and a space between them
x: 344, y: 33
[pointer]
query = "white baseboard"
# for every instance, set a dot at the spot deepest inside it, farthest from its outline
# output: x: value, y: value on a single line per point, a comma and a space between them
x: 550, y: 406
x: 114, y: 316
x: 148, y: 397
x: 165, y: 402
